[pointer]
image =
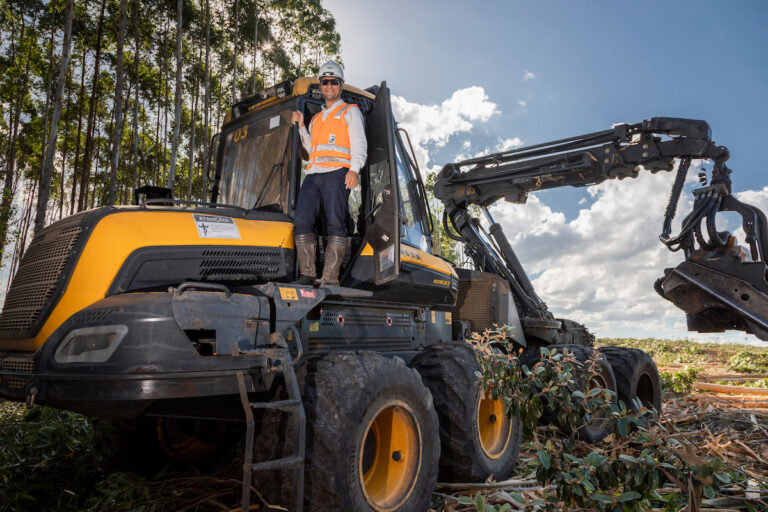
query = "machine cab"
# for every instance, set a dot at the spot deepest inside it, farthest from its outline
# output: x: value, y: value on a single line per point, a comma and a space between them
x: 261, y: 163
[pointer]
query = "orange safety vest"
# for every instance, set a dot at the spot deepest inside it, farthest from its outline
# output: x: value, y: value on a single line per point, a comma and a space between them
x: 330, y: 139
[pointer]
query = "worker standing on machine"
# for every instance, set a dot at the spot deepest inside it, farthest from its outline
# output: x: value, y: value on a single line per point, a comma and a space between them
x: 337, y: 150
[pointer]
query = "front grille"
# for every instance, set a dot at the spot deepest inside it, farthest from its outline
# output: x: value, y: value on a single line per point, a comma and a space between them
x: 367, y: 319
x: 330, y: 343
x: 242, y: 264
x: 97, y: 315
x: 16, y: 382
x: 18, y: 364
x: 39, y: 277
x: 475, y: 303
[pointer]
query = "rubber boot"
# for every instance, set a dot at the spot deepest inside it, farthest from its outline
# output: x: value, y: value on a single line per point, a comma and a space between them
x: 334, y: 257
x: 306, y: 247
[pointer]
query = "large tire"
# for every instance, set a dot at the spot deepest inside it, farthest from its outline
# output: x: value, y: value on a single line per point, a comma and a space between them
x: 365, y: 411
x: 595, y: 430
x: 636, y: 376
x: 128, y: 445
x: 476, y: 437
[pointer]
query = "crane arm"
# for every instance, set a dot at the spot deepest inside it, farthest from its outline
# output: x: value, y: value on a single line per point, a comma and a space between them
x: 719, y: 285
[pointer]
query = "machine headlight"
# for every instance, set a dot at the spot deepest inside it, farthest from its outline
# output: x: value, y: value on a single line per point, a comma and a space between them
x: 90, y: 344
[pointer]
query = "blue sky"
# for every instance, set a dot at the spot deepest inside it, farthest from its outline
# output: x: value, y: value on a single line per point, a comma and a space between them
x: 472, y: 77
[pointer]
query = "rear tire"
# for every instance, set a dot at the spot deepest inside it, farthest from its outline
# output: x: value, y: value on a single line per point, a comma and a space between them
x: 636, y: 376
x: 476, y: 437
x: 372, y: 435
x: 595, y: 430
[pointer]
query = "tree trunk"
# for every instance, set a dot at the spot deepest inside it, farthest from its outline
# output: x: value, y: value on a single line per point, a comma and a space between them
x: 78, y: 139
x: 6, y: 201
x: 206, y: 130
x: 65, y: 149
x: 117, y: 133
x: 177, y: 109
x: 21, y: 239
x: 90, y: 130
x: 165, y: 108
x: 48, y: 84
x: 135, y: 140
x: 192, y: 135
x: 45, y: 175
x: 255, y: 46
x: 234, y: 57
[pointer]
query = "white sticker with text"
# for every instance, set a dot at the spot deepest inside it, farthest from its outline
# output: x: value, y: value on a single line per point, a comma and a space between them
x: 213, y: 226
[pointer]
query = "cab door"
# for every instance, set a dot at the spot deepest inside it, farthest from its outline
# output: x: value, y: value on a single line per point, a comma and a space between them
x: 382, y: 214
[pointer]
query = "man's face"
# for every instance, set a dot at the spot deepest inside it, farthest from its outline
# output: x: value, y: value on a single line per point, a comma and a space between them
x: 331, y: 89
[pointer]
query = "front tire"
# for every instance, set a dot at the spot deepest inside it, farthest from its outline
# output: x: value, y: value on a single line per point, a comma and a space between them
x: 476, y: 436
x: 372, y: 435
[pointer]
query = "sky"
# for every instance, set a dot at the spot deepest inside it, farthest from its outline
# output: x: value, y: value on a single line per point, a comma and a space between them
x: 469, y: 78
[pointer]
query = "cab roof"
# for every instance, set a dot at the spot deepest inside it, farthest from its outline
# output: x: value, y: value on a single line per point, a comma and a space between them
x: 278, y: 92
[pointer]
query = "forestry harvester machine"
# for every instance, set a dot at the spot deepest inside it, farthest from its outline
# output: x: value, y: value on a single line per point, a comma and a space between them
x: 172, y: 320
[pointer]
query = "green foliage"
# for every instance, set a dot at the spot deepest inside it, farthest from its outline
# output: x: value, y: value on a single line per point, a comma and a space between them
x: 48, y: 462
x: 46, y: 456
x: 757, y: 383
x: 600, y: 477
x: 680, y: 383
x: 749, y: 361
x: 481, y: 506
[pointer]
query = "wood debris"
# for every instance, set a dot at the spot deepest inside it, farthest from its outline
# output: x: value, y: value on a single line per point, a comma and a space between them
x: 731, y: 428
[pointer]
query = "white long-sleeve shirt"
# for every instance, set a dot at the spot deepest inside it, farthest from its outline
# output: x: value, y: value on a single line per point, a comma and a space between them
x: 357, y: 141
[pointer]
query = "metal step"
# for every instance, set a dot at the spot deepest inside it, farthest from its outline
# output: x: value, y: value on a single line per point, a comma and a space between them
x: 279, y: 404
x: 285, y: 462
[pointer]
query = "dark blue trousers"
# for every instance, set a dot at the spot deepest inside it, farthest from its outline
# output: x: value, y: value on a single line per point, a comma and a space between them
x: 326, y: 190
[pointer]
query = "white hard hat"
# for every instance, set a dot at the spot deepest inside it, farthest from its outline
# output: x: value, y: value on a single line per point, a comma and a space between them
x: 331, y: 69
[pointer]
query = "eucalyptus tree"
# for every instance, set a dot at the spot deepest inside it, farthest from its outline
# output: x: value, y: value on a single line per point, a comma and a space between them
x: 117, y: 135
x: 45, y: 175
x: 67, y: 142
x: 177, y: 108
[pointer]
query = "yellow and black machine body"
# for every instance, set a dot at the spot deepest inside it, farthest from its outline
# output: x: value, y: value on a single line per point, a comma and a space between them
x: 184, y: 313
x: 149, y: 298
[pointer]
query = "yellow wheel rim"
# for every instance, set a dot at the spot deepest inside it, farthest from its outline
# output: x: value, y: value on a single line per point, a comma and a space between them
x: 390, y: 456
x: 493, y: 426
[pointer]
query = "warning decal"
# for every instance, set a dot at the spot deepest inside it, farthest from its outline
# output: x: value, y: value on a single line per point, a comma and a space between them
x: 213, y: 226
x: 288, y: 294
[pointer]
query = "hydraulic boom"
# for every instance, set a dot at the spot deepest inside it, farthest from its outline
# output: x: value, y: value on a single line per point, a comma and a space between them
x: 720, y: 285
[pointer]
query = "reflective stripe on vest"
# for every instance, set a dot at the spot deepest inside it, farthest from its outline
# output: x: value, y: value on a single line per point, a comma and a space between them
x: 330, y: 139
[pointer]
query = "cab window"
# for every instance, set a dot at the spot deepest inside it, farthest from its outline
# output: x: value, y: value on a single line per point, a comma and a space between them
x: 256, y: 161
x: 412, y: 230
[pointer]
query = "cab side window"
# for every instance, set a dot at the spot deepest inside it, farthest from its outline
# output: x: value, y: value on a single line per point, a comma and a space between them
x: 412, y: 229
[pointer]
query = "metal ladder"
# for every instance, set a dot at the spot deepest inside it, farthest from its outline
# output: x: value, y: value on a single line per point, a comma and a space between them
x: 293, y: 405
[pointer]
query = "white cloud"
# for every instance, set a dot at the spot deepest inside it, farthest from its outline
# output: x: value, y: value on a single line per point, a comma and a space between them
x: 758, y: 198
x: 522, y: 103
x: 508, y: 143
x: 431, y: 126
x: 528, y: 75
